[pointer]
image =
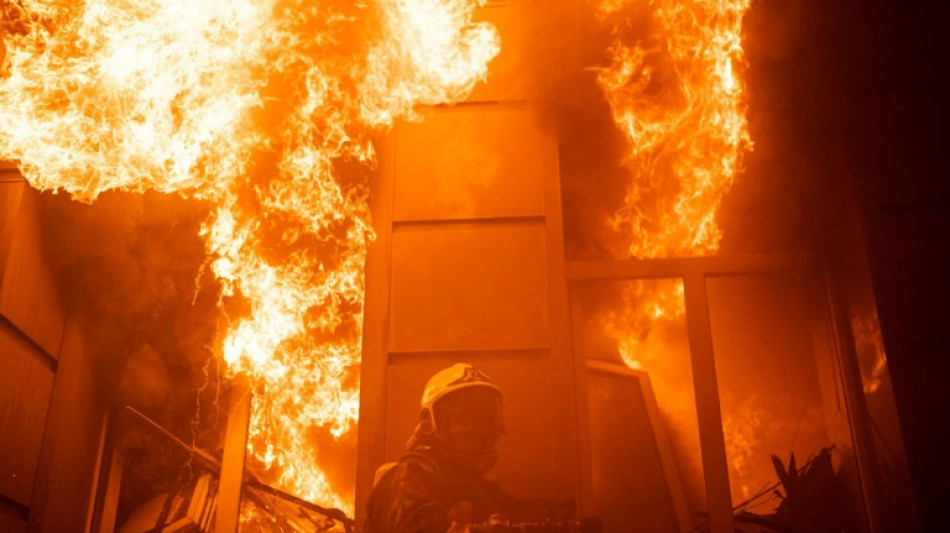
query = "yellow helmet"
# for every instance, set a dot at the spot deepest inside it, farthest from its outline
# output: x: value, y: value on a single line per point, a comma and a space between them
x: 456, y: 377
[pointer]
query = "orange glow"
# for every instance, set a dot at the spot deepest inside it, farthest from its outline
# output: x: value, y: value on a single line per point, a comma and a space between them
x: 869, y: 344
x: 254, y: 106
x: 676, y: 96
x: 678, y: 101
x: 741, y: 429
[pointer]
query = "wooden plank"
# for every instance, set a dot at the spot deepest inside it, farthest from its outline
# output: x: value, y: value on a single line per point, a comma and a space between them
x: 567, y: 375
x: 470, y: 356
x: 10, y: 197
x: 11, y: 519
x: 857, y: 407
x: 680, y: 506
x: 97, y: 472
x: 29, y: 296
x: 632, y: 488
x: 109, y: 499
x: 680, y: 266
x: 472, y: 222
x: 584, y: 452
x: 26, y: 383
x: 460, y: 287
x: 715, y: 466
x: 228, y: 515
x: 371, y: 437
x: 67, y: 465
x: 469, y: 161
x: 684, y: 520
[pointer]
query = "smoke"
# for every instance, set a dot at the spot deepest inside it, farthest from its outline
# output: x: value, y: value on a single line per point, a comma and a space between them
x: 131, y: 271
x: 567, y: 47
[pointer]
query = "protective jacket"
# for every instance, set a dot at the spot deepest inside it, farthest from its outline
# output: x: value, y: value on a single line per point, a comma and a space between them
x: 425, y: 491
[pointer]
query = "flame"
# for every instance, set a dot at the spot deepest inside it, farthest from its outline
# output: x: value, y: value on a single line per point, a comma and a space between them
x: 260, y: 108
x: 680, y: 104
x: 741, y: 427
x: 869, y: 345
x: 681, y: 107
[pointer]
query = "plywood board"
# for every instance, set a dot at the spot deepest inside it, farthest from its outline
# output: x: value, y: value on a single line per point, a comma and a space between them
x: 10, y: 195
x: 26, y: 382
x: 529, y: 465
x: 472, y: 161
x: 29, y: 297
x: 61, y: 497
x: 630, y: 487
x: 464, y: 287
x: 11, y: 524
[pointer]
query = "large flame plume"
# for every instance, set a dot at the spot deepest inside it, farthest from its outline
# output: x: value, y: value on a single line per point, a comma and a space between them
x: 263, y: 109
x: 677, y: 96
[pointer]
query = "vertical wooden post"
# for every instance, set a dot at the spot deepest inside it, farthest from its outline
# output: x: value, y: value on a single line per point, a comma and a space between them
x: 232, y: 463
x: 110, y: 497
x: 371, y: 436
x: 97, y: 471
x: 715, y: 466
x: 568, y: 371
x: 856, y: 405
x: 584, y: 453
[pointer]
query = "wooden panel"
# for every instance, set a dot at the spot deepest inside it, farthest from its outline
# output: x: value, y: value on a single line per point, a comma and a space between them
x: 371, y: 445
x: 26, y: 382
x: 529, y: 465
x: 28, y: 293
x: 507, y: 75
x: 467, y: 287
x: 715, y: 468
x: 469, y: 161
x: 10, y: 195
x: 11, y: 524
x: 630, y: 486
x: 227, y: 517
x: 61, y: 497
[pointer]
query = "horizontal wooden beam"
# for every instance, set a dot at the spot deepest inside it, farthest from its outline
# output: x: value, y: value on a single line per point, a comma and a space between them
x: 471, y: 356
x: 9, y: 173
x: 474, y: 222
x: 682, y: 266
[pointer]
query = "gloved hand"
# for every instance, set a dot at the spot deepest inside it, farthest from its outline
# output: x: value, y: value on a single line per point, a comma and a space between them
x: 461, y: 516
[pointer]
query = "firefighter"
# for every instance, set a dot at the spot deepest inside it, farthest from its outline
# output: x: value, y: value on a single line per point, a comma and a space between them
x: 439, y: 485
